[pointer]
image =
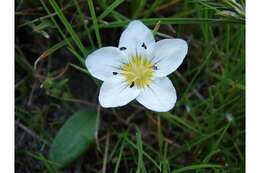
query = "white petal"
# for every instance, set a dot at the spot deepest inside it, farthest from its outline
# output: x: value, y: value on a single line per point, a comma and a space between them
x: 168, y: 55
x: 103, y: 62
x: 160, y: 96
x: 134, y: 36
x: 115, y: 93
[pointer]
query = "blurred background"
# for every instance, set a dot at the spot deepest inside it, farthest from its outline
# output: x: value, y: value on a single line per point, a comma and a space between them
x: 205, y: 132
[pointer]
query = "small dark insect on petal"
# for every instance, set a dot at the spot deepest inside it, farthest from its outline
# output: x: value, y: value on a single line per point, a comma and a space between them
x: 115, y: 73
x: 122, y: 48
x: 155, y: 67
x: 132, y: 84
x: 144, y: 46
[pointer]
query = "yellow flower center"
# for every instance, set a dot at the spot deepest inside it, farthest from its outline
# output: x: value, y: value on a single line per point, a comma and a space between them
x: 139, y: 72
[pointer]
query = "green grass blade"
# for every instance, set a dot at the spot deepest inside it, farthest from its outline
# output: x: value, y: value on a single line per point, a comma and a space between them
x: 81, y: 15
x: 95, y: 23
x: 110, y: 8
x: 119, y: 157
x: 138, y: 7
x: 68, y: 26
x: 155, y: 4
x: 50, y: 166
x: 198, y: 71
x: 116, y: 15
x: 140, y: 166
x: 56, y: 24
x: 85, y: 71
x: 144, y: 153
x: 77, y: 56
x: 22, y: 61
x: 212, y: 153
x: 153, y: 21
x: 54, y: 48
x: 80, y: 69
x: 196, y: 167
x: 222, y: 135
x: 180, y: 121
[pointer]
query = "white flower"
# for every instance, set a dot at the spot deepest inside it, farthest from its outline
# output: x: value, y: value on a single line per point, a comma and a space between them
x: 137, y: 69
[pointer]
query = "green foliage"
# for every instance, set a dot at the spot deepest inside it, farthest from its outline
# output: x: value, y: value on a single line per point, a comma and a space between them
x: 74, y: 137
x: 110, y: 9
x: 68, y: 26
x: 95, y: 23
x: 205, y: 132
x: 58, y: 89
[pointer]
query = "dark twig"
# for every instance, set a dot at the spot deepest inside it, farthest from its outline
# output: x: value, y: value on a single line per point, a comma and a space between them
x: 106, y: 152
x: 32, y: 133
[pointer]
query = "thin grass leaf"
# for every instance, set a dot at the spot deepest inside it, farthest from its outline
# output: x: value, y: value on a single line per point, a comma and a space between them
x: 85, y: 71
x: 116, y: 15
x: 156, y: 28
x: 196, y: 167
x: 165, y: 161
x: 119, y: 157
x: 198, y: 71
x: 23, y: 62
x: 80, y: 69
x: 180, y: 121
x: 47, y: 163
x: 82, y: 18
x: 140, y: 165
x: 196, y: 142
x: 138, y: 7
x: 75, y: 53
x: 56, y: 24
x: 144, y: 153
x: 110, y: 9
x: 50, y: 51
x: 53, y: 49
x: 95, y: 23
x: 222, y: 135
x: 209, y: 156
x: 153, y: 21
x: 228, y: 81
x: 68, y: 26
x: 152, y: 8
x: 115, y: 148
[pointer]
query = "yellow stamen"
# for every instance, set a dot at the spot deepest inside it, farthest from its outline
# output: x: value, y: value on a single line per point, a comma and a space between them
x: 139, y: 70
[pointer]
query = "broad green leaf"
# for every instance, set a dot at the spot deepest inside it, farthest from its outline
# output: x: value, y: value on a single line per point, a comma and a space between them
x: 74, y: 137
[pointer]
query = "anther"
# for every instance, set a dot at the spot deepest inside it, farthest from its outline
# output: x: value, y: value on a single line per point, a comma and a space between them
x: 132, y: 84
x: 155, y: 67
x: 115, y: 73
x: 122, y: 48
x: 144, y: 46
